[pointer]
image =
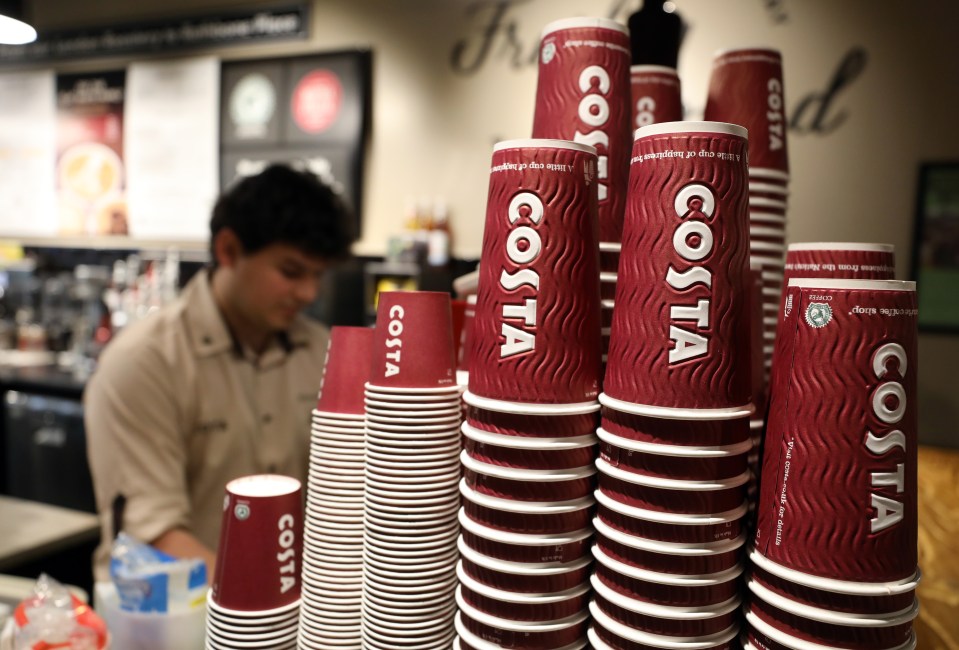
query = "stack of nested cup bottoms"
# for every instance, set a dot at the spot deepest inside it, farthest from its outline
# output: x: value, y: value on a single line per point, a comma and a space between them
x: 583, y: 95
x: 655, y: 94
x: 254, y: 601
x: 746, y: 88
x: 534, y: 377
x: 332, y: 572
x: 757, y: 370
x: 835, y: 560
x: 677, y: 398
x: 413, y: 417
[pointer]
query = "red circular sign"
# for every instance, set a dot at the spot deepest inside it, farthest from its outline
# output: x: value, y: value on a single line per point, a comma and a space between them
x: 316, y: 101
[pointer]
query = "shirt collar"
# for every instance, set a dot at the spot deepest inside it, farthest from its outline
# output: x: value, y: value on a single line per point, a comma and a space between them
x: 209, y: 331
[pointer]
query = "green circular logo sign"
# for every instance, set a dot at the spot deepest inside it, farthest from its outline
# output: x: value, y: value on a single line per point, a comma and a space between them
x: 549, y: 51
x: 242, y: 511
x: 818, y: 314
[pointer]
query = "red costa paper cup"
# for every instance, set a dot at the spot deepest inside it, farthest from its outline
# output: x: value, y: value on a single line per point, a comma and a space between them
x: 536, y: 334
x: 843, y: 422
x: 656, y: 619
x: 669, y: 526
x: 662, y: 431
x: 347, y: 369
x: 529, y: 453
x: 670, y: 495
x: 583, y: 95
x: 840, y: 260
x: 665, y: 557
x: 261, y: 543
x: 523, y: 577
x: 681, y: 333
x: 522, y: 606
x: 655, y: 93
x: 463, y: 345
x: 543, y: 426
x: 670, y: 461
x: 609, y: 634
x: 527, y: 517
x: 746, y: 87
x: 520, y: 635
x: 757, y: 354
x: 413, y: 341
x: 528, y: 485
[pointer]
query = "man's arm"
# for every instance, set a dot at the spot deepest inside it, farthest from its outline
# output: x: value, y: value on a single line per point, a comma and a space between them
x: 180, y: 542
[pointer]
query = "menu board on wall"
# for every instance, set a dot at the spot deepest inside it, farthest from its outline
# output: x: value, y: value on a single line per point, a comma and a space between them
x: 311, y: 112
x: 91, y: 179
x: 171, y: 147
x: 28, y: 152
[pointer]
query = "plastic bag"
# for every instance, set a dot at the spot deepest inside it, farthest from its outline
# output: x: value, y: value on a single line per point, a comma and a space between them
x: 53, y: 618
x: 149, y: 580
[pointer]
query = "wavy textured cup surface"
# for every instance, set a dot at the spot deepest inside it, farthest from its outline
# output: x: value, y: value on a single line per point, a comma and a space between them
x: 347, y: 370
x: 838, y: 495
x: 536, y: 332
x: 656, y: 95
x: 680, y: 334
x: 261, y: 544
x: 413, y: 341
x: 840, y: 260
x: 746, y: 88
x: 582, y: 94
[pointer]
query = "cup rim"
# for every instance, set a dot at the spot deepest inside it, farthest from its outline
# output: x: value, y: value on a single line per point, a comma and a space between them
x: 335, y: 415
x: 872, y: 247
x: 424, y: 412
x: 580, y: 22
x: 244, y: 613
x: 520, y: 568
x: 767, y: 247
x: 691, y: 126
x: 661, y: 517
x: 529, y: 408
x: 253, y: 486
x: 608, y: 276
x: 672, y: 413
x: 678, y: 613
x: 658, y: 641
x: 648, y: 67
x: 672, y: 579
x: 478, y: 643
x: 251, y: 642
x: 768, y: 203
x: 823, y: 615
x: 681, y: 549
x: 428, y: 612
x: 403, y: 400
x: 528, y: 442
x: 543, y: 143
x: 416, y: 421
x: 770, y: 188
x: 769, y: 172
x: 525, y: 507
x: 521, y: 539
x: 844, y: 283
x: 846, y: 587
x: 779, y: 636
x: 681, y: 485
x: 611, y: 246
x: 522, y: 474
x: 682, y: 451
x: 523, y: 598
x: 518, y: 626
x: 343, y: 431
x: 767, y: 217
x: 403, y: 390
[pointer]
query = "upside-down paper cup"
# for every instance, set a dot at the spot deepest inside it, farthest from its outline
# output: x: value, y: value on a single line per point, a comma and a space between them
x: 261, y: 542
x: 413, y: 342
x: 843, y: 423
x: 583, y: 95
x: 536, y: 333
x: 746, y: 88
x: 347, y: 370
x: 663, y: 431
x: 859, y: 261
x: 679, y: 346
x: 655, y: 93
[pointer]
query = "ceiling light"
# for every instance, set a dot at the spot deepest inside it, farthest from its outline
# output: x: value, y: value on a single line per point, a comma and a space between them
x: 13, y: 29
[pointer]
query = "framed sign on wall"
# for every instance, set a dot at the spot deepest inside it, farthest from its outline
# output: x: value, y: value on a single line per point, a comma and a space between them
x: 935, y: 258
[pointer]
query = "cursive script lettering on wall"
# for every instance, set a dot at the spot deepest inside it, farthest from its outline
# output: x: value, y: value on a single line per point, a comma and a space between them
x: 815, y: 112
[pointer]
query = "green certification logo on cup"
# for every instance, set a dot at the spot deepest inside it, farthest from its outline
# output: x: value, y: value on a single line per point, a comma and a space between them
x: 242, y: 511
x: 818, y: 314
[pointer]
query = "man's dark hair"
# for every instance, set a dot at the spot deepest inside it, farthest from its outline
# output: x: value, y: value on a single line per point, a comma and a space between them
x: 281, y: 205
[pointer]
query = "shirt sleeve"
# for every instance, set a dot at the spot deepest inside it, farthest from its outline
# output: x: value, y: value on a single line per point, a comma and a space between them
x: 135, y: 445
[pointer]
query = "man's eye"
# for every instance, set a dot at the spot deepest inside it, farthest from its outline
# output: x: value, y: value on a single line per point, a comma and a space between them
x: 290, y: 272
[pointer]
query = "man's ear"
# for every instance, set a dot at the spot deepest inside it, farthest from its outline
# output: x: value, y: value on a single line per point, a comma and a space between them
x: 227, y: 248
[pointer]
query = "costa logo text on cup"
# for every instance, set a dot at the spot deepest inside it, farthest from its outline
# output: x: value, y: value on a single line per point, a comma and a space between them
x: 395, y: 329
x: 523, y: 246
x: 777, y: 123
x: 693, y: 241
x: 288, y: 554
x: 889, y: 406
x: 594, y: 111
x: 645, y: 111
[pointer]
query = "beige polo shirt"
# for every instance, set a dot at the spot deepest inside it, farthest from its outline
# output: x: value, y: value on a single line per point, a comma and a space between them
x: 176, y: 409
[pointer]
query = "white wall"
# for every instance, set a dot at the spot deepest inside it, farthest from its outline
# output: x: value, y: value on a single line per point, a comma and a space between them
x: 433, y: 129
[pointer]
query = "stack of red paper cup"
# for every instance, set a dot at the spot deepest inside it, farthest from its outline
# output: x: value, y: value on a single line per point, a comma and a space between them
x: 333, y: 536
x: 746, y: 88
x: 254, y: 601
x: 413, y: 417
x: 677, y: 398
x: 757, y: 371
x: 583, y: 95
x: 835, y: 560
x: 533, y: 382
x: 656, y: 95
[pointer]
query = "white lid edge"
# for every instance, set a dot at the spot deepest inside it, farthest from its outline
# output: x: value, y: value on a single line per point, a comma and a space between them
x: 843, y: 246
x: 845, y: 283
x: 583, y: 21
x: 846, y: 587
x: 543, y: 143
x: 690, y: 126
